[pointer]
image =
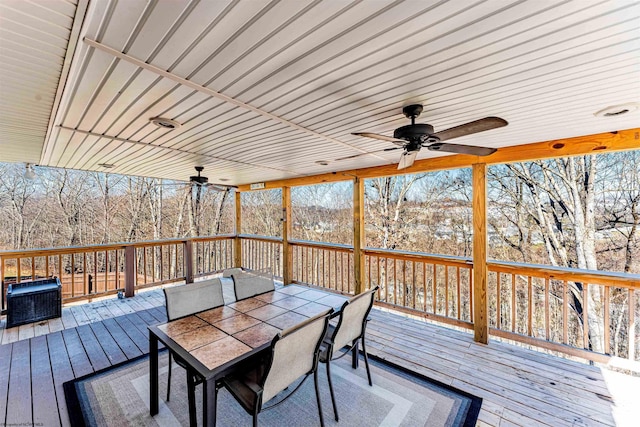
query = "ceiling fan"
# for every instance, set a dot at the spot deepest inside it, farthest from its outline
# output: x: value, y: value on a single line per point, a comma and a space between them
x: 411, y: 138
x: 203, y: 181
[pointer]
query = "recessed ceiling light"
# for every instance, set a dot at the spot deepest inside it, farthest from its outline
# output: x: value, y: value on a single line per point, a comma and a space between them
x: 617, y: 110
x: 322, y: 162
x: 107, y: 165
x: 164, y: 123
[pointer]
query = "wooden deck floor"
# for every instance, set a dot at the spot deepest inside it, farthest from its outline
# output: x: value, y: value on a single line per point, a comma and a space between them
x: 519, y: 386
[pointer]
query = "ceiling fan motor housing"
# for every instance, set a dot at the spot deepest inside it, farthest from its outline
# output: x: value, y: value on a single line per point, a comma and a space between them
x: 198, y: 178
x: 417, y: 132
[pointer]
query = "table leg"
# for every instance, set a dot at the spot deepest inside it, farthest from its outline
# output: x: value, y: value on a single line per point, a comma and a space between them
x: 210, y: 397
x: 153, y: 373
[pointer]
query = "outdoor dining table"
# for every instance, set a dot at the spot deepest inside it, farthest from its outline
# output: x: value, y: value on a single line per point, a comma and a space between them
x: 213, y: 342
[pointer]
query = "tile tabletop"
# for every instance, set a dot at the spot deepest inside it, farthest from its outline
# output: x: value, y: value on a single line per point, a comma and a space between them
x: 266, y: 312
x: 180, y: 326
x: 216, y: 314
x: 234, y: 324
x: 220, y: 335
x: 311, y: 295
x: 334, y: 301
x: 291, y: 289
x: 311, y: 309
x: 247, y: 304
x: 290, y: 303
x: 287, y: 320
x: 199, y: 337
x: 220, y: 352
x: 257, y: 335
x: 270, y: 297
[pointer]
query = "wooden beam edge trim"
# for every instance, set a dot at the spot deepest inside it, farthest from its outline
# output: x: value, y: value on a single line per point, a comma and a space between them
x: 607, y: 142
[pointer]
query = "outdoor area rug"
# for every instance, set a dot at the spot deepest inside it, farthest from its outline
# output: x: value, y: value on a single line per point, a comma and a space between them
x: 119, y: 396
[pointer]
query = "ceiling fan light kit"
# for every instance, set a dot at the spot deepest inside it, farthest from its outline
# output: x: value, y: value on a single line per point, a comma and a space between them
x: 415, y: 136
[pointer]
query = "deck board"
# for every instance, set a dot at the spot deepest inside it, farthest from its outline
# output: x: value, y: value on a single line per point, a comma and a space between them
x: 77, y: 355
x: 45, y: 409
x: 520, y: 387
x: 108, y: 344
x: 128, y: 348
x: 19, y: 406
x: 5, y: 366
x: 62, y: 371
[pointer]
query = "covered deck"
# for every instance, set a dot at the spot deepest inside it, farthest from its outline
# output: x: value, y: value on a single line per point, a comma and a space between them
x: 518, y: 386
x: 274, y: 95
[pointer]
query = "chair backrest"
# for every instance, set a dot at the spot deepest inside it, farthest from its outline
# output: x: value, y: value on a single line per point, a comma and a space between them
x: 247, y: 284
x: 294, y: 353
x: 352, y: 319
x: 193, y: 298
x: 228, y: 272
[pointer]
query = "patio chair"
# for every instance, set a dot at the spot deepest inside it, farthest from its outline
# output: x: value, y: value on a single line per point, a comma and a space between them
x: 293, y: 354
x: 349, y: 330
x: 250, y: 283
x: 185, y: 300
x: 227, y: 272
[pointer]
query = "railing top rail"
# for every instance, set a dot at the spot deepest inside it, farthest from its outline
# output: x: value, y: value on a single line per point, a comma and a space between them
x: 215, y: 237
x: 62, y: 250
x: 566, y: 273
x: 261, y: 238
x: 104, y: 247
x: 325, y: 245
x: 423, y: 256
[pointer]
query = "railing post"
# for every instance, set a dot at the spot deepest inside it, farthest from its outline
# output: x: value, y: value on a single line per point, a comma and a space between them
x: 287, y: 256
x: 129, y: 270
x: 237, y: 242
x: 480, y: 301
x: 358, y: 235
x: 188, y: 261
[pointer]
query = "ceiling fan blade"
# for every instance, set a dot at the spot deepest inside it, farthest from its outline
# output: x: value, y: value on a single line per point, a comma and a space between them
x: 476, y: 126
x: 461, y: 149
x: 220, y: 187
x: 370, y: 152
x: 381, y: 137
x: 407, y: 159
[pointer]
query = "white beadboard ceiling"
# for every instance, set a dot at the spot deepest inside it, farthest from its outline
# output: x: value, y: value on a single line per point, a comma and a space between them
x: 265, y: 89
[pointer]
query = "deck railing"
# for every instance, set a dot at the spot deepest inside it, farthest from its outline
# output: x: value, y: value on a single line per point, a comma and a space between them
x: 323, y: 264
x: 533, y: 304
x: 262, y: 253
x: 90, y: 271
x: 434, y: 286
x: 565, y: 309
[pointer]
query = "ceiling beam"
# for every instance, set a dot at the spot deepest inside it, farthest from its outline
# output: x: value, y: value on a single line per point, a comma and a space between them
x: 215, y: 94
x: 590, y: 144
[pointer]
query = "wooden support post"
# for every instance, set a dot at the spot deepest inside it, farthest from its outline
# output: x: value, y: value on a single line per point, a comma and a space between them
x: 129, y: 270
x: 358, y: 235
x: 632, y: 324
x: 480, y: 301
x: 287, y: 255
x: 237, y: 243
x: 188, y: 260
